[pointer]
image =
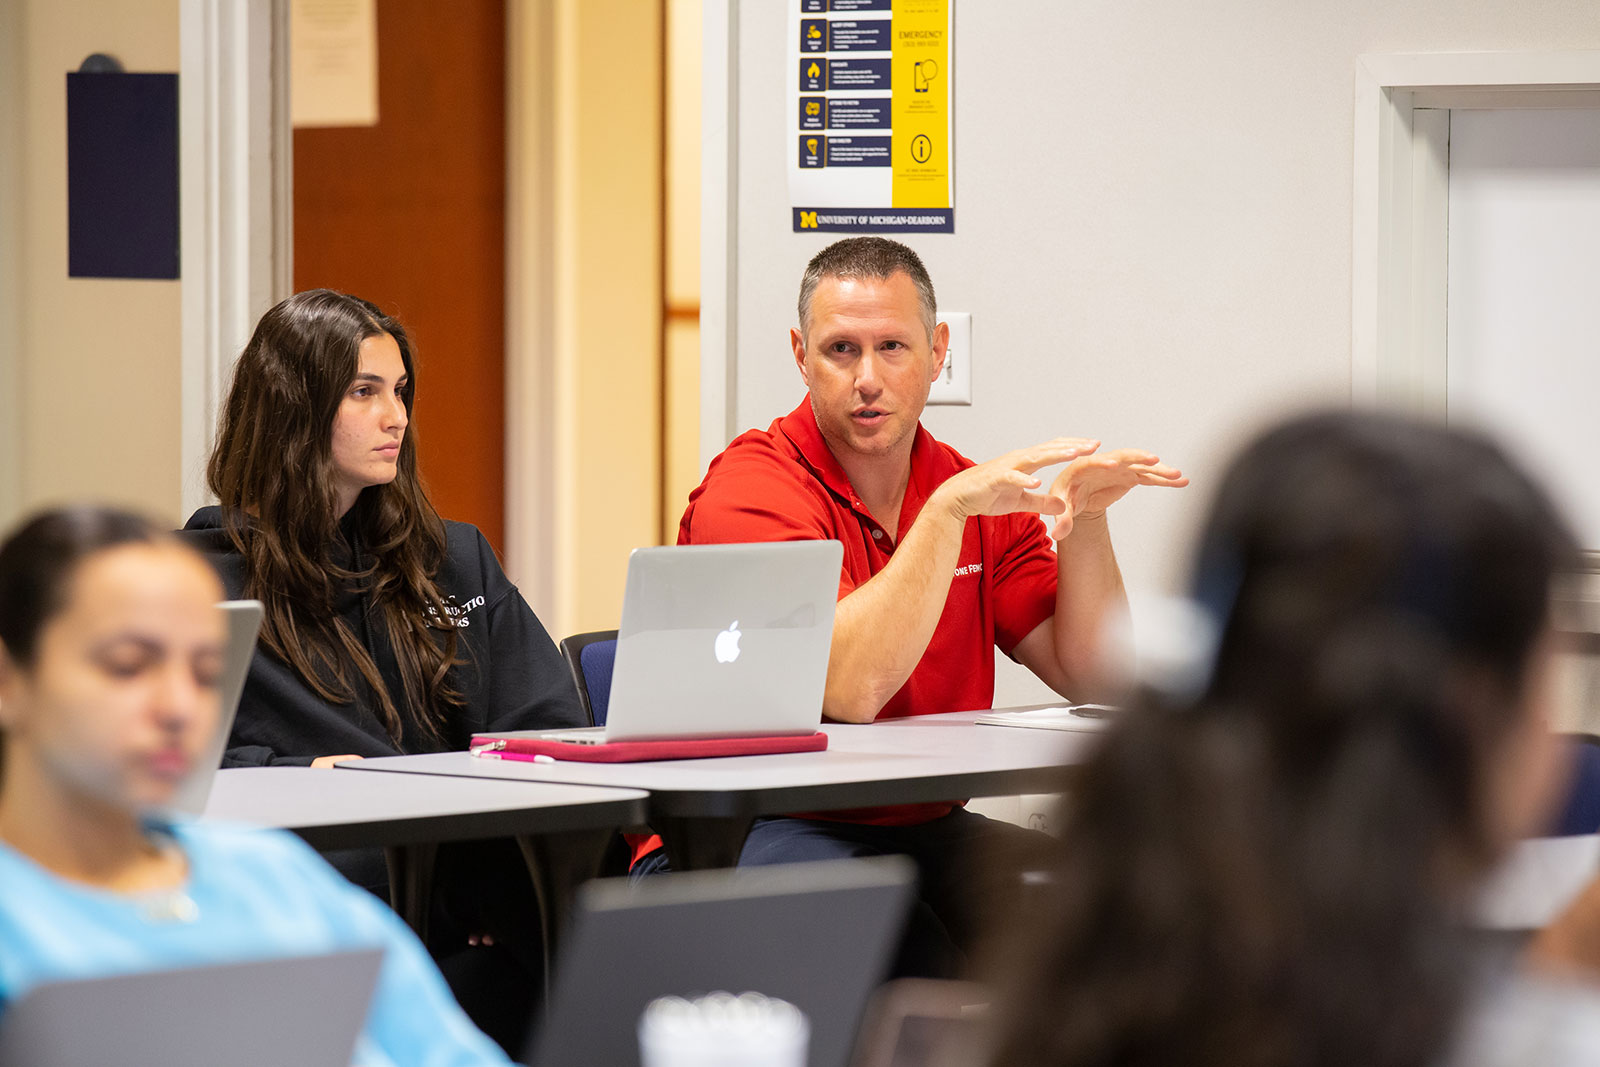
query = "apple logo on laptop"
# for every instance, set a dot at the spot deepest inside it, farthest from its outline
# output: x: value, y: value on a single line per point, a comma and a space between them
x: 728, y: 643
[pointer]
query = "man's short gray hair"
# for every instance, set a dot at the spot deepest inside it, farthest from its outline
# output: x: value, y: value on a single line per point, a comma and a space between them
x: 877, y: 258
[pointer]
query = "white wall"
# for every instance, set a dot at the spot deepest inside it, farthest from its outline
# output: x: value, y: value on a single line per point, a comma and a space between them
x: 1524, y: 327
x: 1153, y: 221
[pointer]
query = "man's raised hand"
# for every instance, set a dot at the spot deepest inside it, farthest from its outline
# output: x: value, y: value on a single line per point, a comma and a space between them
x: 1092, y: 483
x: 1005, y: 485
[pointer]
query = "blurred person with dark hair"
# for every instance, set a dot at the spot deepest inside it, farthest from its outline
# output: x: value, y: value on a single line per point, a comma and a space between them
x: 1278, y: 869
x: 111, y: 647
x: 387, y: 630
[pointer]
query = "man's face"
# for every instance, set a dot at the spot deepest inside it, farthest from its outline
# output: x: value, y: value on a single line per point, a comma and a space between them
x: 867, y: 360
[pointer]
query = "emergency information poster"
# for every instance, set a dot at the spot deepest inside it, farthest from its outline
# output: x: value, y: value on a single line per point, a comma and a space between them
x: 870, y: 107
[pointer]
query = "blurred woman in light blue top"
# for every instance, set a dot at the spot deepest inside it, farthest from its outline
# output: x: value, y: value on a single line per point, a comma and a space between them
x: 110, y: 652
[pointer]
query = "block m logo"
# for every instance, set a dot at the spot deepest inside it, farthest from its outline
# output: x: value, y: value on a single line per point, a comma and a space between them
x: 808, y: 220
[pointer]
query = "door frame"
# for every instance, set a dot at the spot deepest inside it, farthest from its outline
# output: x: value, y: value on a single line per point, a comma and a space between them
x: 1400, y: 253
x: 719, y: 226
x: 235, y: 167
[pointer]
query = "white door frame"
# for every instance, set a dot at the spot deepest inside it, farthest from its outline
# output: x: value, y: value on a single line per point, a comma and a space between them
x: 235, y: 195
x: 1400, y: 248
x: 719, y: 226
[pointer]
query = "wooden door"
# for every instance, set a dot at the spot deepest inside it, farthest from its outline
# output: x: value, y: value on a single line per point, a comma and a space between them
x: 410, y: 214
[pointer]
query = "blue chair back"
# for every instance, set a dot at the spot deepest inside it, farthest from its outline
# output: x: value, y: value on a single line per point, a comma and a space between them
x: 589, y: 657
x: 1581, y: 813
x: 596, y: 660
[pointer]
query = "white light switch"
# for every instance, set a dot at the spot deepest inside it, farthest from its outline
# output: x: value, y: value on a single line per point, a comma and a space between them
x: 954, y: 384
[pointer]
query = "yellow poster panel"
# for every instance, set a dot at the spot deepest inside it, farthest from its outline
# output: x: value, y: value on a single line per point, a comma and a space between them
x: 920, y: 110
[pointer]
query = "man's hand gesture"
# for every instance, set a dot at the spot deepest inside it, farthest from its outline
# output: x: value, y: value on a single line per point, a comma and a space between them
x: 1092, y: 483
x: 1004, y: 486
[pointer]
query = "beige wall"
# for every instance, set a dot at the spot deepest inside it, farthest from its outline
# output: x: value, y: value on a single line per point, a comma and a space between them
x: 603, y: 360
x: 607, y: 301
x: 1153, y: 221
x: 97, y: 379
x: 10, y: 258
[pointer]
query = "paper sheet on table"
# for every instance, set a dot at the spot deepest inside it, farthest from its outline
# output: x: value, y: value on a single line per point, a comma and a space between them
x: 1057, y: 717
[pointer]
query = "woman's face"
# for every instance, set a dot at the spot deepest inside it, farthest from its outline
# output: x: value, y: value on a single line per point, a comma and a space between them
x: 371, y: 421
x: 121, y: 696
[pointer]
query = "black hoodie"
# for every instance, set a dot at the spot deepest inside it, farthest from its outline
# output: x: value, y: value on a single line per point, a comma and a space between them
x: 512, y: 678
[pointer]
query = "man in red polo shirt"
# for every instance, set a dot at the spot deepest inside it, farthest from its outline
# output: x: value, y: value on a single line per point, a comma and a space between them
x: 943, y: 559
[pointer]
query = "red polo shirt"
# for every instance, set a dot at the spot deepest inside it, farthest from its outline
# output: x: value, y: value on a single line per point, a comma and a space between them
x: 784, y: 484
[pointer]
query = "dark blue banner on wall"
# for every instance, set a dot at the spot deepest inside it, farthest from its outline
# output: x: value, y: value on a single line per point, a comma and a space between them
x: 122, y: 175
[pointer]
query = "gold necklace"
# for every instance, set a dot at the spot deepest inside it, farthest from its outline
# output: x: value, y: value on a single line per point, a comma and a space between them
x: 155, y: 905
x: 166, y: 905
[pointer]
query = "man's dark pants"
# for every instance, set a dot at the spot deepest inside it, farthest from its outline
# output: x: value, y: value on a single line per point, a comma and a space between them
x: 969, y: 871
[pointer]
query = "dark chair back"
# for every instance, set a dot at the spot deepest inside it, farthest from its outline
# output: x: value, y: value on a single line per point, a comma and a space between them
x: 1581, y: 812
x: 590, y: 658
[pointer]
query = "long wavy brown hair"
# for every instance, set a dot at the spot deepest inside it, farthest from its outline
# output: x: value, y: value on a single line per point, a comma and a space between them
x: 272, y: 470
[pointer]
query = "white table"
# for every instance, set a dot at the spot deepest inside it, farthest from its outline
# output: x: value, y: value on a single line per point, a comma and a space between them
x: 563, y: 830
x: 341, y: 811
x: 703, y: 807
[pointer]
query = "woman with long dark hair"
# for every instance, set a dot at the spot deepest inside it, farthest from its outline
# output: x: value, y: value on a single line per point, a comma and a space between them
x: 387, y: 630
x: 111, y: 648
x: 1277, y: 870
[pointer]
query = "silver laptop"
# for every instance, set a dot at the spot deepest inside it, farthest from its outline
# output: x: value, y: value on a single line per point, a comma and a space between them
x: 302, y: 1010
x: 244, y: 623
x: 721, y: 641
x: 818, y: 935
